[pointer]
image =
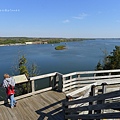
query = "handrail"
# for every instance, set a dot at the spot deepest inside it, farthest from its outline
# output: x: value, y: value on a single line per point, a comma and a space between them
x: 91, y: 72
x: 76, y: 80
x: 43, y: 76
x: 98, y: 106
x: 54, y: 79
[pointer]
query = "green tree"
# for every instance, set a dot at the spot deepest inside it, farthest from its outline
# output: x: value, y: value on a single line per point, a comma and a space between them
x: 29, y: 71
x: 111, y: 61
x: 99, y: 66
x: 22, y: 66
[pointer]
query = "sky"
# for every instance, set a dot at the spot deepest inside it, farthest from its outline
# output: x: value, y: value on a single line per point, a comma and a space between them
x: 60, y: 18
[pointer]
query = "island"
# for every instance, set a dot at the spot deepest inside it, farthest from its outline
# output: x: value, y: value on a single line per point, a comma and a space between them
x: 60, y: 47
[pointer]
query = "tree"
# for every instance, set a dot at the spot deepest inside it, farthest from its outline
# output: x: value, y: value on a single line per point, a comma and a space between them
x: 22, y: 66
x: 99, y: 66
x: 29, y: 71
x: 111, y: 61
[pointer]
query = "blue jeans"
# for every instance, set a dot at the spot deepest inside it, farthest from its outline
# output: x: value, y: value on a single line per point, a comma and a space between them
x: 12, y: 100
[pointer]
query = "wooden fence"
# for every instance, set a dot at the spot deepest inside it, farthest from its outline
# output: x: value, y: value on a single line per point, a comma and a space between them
x: 76, y: 80
x: 81, y: 81
x: 54, y: 80
x: 101, y: 104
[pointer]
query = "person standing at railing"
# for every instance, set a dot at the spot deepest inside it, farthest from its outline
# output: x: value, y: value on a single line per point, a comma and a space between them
x: 9, y: 84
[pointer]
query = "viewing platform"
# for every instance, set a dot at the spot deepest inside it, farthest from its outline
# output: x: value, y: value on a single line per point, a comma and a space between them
x: 43, y: 106
x: 77, y: 95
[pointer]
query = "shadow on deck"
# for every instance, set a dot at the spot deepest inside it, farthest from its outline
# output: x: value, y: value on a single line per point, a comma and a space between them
x: 43, y: 106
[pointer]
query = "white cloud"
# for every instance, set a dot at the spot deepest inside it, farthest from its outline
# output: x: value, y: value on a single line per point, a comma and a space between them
x: 81, y: 16
x: 66, y: 21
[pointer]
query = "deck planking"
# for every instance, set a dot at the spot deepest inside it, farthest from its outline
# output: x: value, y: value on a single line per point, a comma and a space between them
x: 43, y: 106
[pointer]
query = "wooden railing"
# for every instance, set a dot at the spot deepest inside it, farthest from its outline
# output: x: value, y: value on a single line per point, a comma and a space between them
x: 54, y: 81
x: 77, y: 80
x: 72, y: 81
x: 104, y: 105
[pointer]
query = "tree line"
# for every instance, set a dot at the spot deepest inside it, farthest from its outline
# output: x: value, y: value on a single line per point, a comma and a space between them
x: 22, y: 40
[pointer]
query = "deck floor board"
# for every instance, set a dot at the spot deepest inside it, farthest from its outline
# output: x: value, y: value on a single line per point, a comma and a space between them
x: 43, y: 106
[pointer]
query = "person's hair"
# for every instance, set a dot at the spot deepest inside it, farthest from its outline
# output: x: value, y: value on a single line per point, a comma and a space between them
x: 6, y: 76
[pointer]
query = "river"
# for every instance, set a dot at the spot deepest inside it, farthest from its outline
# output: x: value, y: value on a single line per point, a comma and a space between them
x: 79, y: 56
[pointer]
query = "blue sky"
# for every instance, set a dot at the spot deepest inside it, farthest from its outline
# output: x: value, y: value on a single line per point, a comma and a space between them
x: 60, y: 18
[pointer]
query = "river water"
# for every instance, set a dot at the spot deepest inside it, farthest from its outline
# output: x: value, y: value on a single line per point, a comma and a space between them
x: 79, y: 56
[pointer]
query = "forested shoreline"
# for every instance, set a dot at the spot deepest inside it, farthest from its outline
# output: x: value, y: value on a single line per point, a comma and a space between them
x: 23, y: 40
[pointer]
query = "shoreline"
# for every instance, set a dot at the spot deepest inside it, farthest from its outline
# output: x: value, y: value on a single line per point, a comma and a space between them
x: 11, y: 45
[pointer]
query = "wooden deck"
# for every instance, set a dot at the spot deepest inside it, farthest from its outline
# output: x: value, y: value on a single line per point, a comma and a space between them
x: 43, y: 106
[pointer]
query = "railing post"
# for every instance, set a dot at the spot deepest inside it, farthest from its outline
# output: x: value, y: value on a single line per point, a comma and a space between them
x: 33, y: 85
x: 65, y: 107
x: 63, y: 81
x: 109, y: 73
x: 103, y: 90
x: 92, y: 93
x: 51, y: 82
x: 78, y: 76
x: 94, y: 74
x: 56, y: 82
x: 60, y: 83
x: 71, y: 77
